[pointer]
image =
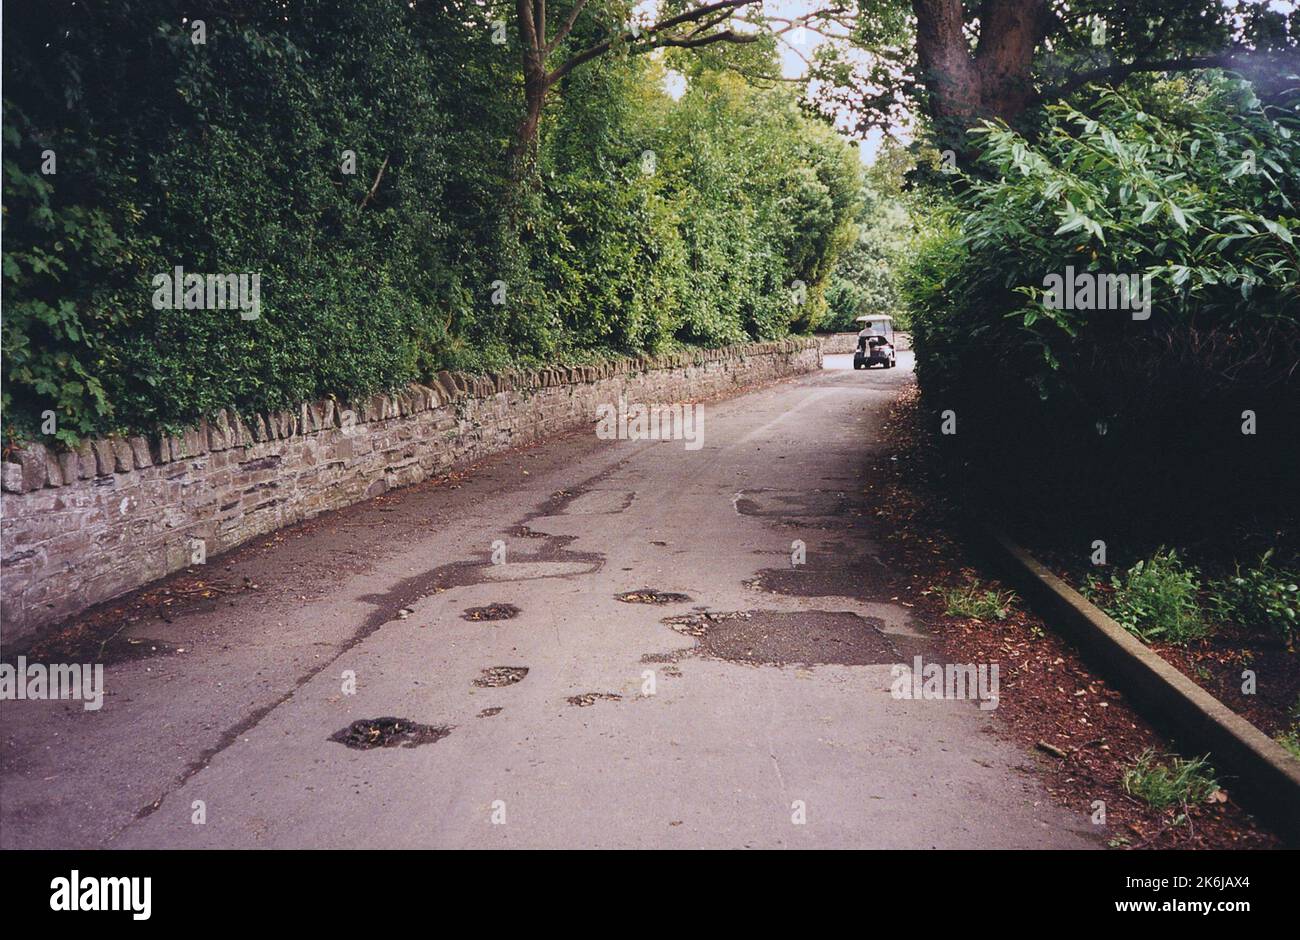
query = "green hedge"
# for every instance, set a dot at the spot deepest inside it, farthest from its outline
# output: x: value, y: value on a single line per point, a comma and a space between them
x: 1196, y: 187
x: 227, y: 157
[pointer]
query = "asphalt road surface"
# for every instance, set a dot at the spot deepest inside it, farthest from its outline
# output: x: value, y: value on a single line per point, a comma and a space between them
x: 768, y: 723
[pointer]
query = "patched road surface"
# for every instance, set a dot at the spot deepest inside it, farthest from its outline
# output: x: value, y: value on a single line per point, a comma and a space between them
x: 586, y: 643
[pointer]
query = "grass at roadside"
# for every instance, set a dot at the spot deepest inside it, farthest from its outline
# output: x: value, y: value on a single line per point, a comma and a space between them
x: 1170, y: 782
x: 1290, y: 740
x: 977, y: 602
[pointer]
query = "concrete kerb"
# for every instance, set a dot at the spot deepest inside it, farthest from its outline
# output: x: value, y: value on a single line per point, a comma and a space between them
x: 1268, y: 778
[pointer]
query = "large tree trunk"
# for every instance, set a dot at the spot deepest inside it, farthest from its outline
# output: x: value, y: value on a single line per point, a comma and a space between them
x: 994, y: 80
x: 947, y: 69
x: 1010, y: 31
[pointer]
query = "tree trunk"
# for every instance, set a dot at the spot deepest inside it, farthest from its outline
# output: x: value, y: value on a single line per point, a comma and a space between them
x: 947, y: 69
x: 1010, y: 31
x: 532, y: 25
x: 992, y: 82
x: 524, y: 150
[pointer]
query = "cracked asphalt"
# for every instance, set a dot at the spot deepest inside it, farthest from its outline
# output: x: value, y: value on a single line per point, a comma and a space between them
x: 770, y: 723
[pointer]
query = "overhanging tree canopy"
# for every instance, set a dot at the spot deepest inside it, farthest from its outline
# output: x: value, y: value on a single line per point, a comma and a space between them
x: 961, y: 61
x: 687, y: 28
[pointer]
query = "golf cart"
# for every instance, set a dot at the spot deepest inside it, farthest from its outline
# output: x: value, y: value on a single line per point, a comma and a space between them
x: 875, y: 343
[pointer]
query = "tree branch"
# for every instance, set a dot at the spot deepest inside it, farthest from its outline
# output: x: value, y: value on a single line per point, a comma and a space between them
x: 375, y: 186
x: 1235, y: 59
x: 567, y: 27
x: 688, y: 43
x: 705, y: 25
x: 524, y: 10
x: 689, y: 16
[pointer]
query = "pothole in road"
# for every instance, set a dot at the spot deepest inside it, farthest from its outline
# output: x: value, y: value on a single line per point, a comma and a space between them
x: 598, y: 503
x: 368, y: 733
x: 527, y: 532
x: 492, y: 612
x: 591, y: 698
x: 497, y: 676
x: 775, y: 638
x: 862, y: 577
x: 697, y: 625
x: 490, y: 712
x: 651, y: 596
x: 812, y: 508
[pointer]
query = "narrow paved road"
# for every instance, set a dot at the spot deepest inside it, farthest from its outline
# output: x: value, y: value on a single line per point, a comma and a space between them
x: 770, y: 728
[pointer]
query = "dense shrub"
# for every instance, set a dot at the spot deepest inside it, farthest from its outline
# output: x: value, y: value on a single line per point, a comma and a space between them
x: 752, y: 225
x: 1263, y: 597
x: 227, y: 157
x: 1156, y: 599
x: 1117, y: 191
x: 1192, y: 183
x: 866, y: 280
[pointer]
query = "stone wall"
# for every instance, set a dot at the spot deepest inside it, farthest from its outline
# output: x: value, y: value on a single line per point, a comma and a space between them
x: 842, y: 343
x: 835, y: 344
x: 81, y: 527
